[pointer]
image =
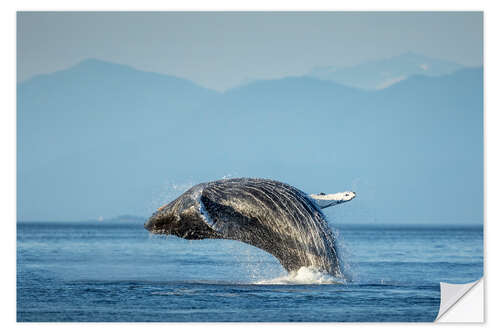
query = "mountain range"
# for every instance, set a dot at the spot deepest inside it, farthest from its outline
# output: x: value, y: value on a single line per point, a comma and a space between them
x: 380, y: 74
x: 101, y: 139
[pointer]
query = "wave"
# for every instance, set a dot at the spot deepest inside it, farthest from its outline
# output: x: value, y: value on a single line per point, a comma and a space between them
x: 304, y: 275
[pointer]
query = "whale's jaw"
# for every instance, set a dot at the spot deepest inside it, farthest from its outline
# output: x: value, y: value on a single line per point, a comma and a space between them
x: 184, y: 223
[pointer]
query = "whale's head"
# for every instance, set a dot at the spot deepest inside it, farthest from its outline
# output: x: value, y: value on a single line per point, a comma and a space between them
x: 181, y: 218
x: 166, y: 220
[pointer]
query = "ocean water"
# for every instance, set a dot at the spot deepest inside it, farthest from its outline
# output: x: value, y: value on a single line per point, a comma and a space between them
x: 118, y: 273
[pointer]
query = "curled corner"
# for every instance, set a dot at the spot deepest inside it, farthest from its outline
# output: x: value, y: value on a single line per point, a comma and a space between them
x: 457, y: 306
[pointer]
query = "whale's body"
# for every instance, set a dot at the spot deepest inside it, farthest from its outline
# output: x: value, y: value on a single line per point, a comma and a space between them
x: 273, y: 216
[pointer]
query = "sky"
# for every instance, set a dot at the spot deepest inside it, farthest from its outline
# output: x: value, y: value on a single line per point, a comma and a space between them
x: 221, y: 50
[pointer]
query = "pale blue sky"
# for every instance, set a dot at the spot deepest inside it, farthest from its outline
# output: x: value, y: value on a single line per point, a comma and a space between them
x: 221, y: 50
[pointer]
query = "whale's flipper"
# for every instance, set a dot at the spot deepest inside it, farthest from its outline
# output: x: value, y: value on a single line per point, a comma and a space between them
x: 274, y: 217
x: 327, y: 200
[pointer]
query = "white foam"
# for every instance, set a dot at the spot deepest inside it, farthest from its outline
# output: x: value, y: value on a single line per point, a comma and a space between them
x: 305, y: 275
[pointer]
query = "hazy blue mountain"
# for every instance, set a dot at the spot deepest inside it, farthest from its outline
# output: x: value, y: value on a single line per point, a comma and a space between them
x: 103, y: 140
x: 123, y: 219
x: 87, y: 137
x: 380, y: 74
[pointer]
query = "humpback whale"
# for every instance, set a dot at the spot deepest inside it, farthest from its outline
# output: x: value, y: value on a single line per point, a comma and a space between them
x: 273, y: 216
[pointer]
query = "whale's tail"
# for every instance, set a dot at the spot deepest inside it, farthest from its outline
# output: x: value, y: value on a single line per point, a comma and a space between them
x: 327, y: 200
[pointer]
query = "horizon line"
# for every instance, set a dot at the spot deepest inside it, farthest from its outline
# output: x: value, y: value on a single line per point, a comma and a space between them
x: 361, y: 224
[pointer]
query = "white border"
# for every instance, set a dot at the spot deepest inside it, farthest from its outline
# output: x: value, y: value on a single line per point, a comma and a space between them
x: 256, y: 5
x: 7, y: 132
x: 467, y: 306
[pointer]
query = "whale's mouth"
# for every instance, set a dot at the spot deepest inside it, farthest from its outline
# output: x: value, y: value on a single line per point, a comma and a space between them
x: 149, y: 226
x: 157, y: 228
x: 159, y: 231
x: 189, y: 230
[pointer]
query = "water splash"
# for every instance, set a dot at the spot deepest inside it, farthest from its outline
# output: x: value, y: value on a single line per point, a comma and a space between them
x: 230, y: 175
x: 167, y: 192
x: 305, y: 275
x: 344, y: 256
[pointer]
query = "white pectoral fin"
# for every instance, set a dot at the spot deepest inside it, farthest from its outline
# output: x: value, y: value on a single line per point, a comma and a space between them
x: 323, y: 203
x: 328, y: 200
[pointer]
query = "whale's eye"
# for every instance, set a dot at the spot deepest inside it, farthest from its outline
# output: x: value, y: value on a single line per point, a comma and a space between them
x: 347, y: 194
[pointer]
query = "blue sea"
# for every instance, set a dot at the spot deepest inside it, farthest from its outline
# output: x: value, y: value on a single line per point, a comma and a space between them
x: 105, y: 272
